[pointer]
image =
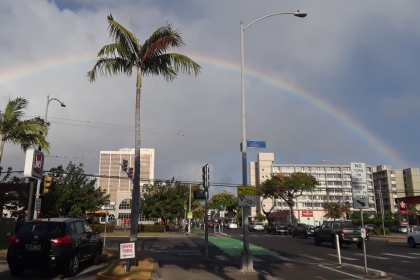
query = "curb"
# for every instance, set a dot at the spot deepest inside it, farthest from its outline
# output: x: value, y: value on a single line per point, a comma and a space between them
x: 362, y: 269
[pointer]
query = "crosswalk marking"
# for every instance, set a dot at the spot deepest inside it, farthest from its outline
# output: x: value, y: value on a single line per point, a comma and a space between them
x: 373, y: 257
x: 344, y: 258
x: 401, y: 256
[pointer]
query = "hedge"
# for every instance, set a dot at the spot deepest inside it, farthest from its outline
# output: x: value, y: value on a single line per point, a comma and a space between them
x: 151, y: 228
x: 101, y: 227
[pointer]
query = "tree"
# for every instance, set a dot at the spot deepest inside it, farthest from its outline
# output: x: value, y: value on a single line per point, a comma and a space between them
x: 165, y: 200
x: 71, y: 193
x: 260, y: 217
x: 335, y: 210
x: 287, y: 188
x: 126, y: 54
x: 25, y: 133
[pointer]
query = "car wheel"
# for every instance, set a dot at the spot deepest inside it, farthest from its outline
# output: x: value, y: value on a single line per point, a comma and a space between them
x: 359, y: 245
x: 317, y: 241
x: 412, y: 243
x: 73, y: 266
x: 16, y: 270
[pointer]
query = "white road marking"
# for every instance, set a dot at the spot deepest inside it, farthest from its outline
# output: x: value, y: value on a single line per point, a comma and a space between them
x: 401, y: 256
x: 416, y: 254
x: 344, y: 258
x: 307, y: 256
x: 373, y: 257
x: 256, y: 259
x: 223, y: 258
x: 284, y: 259
x: 336, y: 270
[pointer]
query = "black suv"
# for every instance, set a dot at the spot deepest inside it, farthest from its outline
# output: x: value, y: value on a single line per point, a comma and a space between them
x: 53, y: 243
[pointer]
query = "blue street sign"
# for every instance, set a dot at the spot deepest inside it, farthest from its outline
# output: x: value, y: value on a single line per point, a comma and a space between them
x: 255, y: 144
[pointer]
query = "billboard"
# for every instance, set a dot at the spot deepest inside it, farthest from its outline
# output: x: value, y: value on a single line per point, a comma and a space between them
x: 34, y: 164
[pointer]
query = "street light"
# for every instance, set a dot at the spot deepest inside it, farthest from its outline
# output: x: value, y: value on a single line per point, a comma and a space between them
x: 246, y: 254
x: 38, y: 185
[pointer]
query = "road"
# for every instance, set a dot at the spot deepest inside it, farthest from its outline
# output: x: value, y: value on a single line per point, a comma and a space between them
x: 279, y: 255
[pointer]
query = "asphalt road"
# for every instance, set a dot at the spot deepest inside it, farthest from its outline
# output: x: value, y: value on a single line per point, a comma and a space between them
x: 394, y: 258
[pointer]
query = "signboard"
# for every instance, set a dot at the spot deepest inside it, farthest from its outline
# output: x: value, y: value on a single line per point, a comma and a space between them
x: 126, y: 223
x: 402, y: 205
x: 221, y: 214
x: 360, y: 196
x: 358, y: 172
x: 255, y: 144
x: 189, y: 215
x: 108, y: 207
x: 246, y: 200
x: 37, y: 204
x: 244, y: 190
x: 34, y: 164
x: 307, y: 213
x: 128, y: 250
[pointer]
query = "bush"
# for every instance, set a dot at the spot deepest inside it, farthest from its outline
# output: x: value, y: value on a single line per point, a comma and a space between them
x: 379, y: 231
x: 151, y: 228
x: 101, y: 227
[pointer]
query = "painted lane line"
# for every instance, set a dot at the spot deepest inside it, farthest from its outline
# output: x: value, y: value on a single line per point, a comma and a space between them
x: 345, y: 273
x: 344, y: 258
x: 401, y: 256
x: 373, y: 257
x: 223, y: 258
x: 307, y: 256
x: 416, y: 254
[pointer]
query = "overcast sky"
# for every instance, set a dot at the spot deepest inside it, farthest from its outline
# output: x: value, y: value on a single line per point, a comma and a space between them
x: 341, y: 84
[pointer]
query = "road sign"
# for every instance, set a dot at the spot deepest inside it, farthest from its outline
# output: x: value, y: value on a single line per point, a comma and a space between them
x: 246, y: 200
x: 358, y: 172
x: 108, y: 207
x: 189, y: 215
x: 360, y: 196
x: 255, y: 144
x: 128, y: 250
x: 244, y: 190
x: 37, y: 204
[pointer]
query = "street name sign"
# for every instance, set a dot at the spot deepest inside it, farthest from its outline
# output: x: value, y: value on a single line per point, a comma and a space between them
x: 360, y: 196
x: 358, y: 172
x: 255, y: 144
x: 246, y: 200
x: 108, y: 207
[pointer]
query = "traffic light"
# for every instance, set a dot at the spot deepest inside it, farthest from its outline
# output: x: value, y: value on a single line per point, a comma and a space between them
x: 47, y: 184
x: 185, y: 205
x: 130, y: 172
x: 206, y: 176
x: 124, y: 165
x: 182, y: 211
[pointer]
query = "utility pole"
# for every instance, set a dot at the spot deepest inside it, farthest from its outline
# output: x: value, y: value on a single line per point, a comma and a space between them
x: 381, y: 201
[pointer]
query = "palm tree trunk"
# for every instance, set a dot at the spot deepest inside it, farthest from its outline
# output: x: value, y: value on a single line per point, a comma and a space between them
x: 135, y: 204
x: 1, y: 148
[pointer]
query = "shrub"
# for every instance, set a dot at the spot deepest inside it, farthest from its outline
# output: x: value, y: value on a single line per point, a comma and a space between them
x: 379, y: 231
x: 151, y: 228
x: 101, y: 227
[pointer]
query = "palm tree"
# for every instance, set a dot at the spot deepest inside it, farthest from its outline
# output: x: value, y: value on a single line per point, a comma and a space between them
x: 26, y: 133
x: 126, y: 54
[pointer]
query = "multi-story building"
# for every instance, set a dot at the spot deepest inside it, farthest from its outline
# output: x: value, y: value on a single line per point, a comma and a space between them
x: 335, y: 185
x: 391, y: 184
x: 115, y: 181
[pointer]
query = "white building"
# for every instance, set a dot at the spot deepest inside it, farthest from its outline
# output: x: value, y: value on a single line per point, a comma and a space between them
x: 335, y: 185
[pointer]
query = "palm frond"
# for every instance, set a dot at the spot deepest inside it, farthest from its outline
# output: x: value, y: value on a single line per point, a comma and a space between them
x: 111, y: 66
x: 128, y: 43
x: 14, y: 108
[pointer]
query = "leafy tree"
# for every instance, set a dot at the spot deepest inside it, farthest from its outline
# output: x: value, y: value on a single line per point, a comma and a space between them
x: 25, y: 133
x: 287, y: 188
x: 166, y: 200
x: 260, y: 217
x: 224, y: 199
x: 126, y: 54
x: 71, y: 193
x: 335, y: 210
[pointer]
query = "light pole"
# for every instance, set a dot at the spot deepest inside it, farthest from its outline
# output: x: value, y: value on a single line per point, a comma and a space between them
x: 189, y: 202
x: 247, y: 264
x: 38, y: 185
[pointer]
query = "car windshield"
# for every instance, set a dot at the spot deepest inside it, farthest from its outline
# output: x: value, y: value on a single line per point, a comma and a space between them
x: 46, y: 227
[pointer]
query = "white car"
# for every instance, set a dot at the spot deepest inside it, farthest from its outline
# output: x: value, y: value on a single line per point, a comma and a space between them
x: 232, y: 225
x: 413, y: 237
x: 257, y: 226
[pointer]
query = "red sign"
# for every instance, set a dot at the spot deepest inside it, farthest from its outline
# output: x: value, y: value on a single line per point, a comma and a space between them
x: 403, y: 205
x: 38, y: 163
x: 34, y: 164
x: 128, y: 250
x: 307, y: 213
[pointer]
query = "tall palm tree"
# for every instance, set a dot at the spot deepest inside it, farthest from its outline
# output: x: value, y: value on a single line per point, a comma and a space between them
x: 126, y: 54
x: 26, y: 133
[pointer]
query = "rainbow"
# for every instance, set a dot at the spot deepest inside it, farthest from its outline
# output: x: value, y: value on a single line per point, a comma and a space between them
x: 357, y: 128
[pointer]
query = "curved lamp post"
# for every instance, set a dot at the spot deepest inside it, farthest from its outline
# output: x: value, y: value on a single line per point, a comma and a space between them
x: 38, y: 184
x: 247, y: 264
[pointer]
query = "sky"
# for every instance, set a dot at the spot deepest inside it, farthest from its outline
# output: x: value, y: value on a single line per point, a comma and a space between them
x: 341, y: 84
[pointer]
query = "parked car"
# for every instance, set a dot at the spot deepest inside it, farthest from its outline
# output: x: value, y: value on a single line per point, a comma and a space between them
x: 232, y: 225
x: 370, y: 226
x: 303, y: 231
x: 398, y: 229
x: 210, y: 224
x: 277, y: 228
x: 413, y: 237
x: 53, y: 243
x: 257, y: 226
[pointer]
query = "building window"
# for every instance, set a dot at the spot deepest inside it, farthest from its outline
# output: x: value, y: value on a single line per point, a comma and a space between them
x: 346, y: 169
x: 334, y: 176
x: 125, y: 204
x: 287, y: 169
x: 307, y: 205
x: 335, y: 169
x: 302, y: 169
x: 276, y: 169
